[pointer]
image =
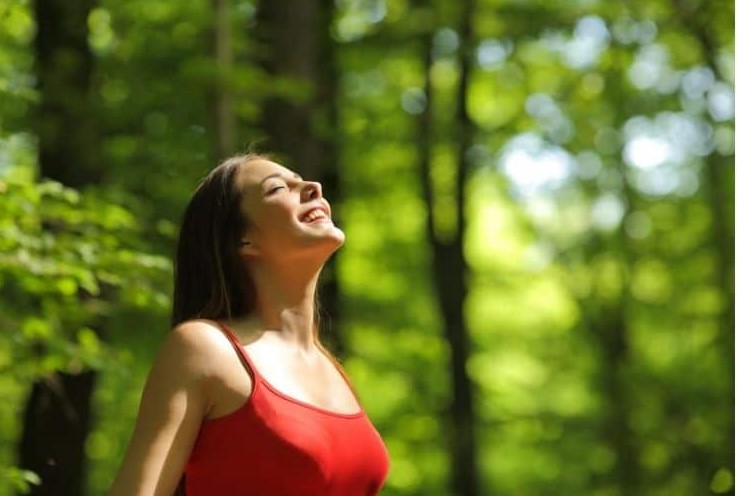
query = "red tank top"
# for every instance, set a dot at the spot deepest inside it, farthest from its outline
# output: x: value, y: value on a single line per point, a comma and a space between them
x: 275, y: 445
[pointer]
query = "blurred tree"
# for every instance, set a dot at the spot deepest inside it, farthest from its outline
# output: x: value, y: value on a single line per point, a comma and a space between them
x: 608, y: 315
x: 224, y: 128
x: 449, y: 267
x: 64, y: 63
x: 58, y: 413
x: 299, y: 117
x: 599, y: 221
x: 708, y: 23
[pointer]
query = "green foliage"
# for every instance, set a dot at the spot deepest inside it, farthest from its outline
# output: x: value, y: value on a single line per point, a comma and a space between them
x: 554, y: 261
x: 69, y: 262
x: 66, y: 258
x: 579, y: 232
x: 19, y: 480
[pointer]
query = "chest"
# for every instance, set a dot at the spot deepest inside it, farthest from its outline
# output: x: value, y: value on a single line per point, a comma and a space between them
x: 315, y: 380
x: 278, y: 445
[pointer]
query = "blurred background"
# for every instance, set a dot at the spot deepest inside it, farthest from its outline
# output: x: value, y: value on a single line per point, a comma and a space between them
x: 536, y: 294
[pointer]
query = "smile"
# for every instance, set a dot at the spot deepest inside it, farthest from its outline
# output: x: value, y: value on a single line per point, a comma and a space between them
x: 314, y: 215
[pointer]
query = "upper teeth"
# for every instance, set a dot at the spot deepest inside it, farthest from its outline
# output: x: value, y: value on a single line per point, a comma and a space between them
x: 314, y: 215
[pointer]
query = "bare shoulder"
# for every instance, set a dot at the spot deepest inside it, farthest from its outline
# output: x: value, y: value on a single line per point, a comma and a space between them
x: 195, y: 346
x: 179, y: 393
x: 196, y: 333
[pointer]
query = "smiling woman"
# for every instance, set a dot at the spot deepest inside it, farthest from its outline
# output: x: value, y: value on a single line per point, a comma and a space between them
x: 242, y: 398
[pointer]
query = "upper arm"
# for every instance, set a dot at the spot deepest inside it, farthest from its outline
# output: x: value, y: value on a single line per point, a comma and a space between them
x: 173, y: 405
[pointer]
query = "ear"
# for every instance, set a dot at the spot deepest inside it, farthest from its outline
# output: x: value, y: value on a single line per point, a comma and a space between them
x: 246, y: 247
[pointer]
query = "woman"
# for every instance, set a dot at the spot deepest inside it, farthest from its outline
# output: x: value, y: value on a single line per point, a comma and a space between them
x: 242, y: 398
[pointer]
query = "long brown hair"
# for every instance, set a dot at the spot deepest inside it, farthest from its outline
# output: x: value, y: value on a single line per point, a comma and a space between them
x: 209, y: 281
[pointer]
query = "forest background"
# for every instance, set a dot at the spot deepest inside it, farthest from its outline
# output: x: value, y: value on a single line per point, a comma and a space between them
x: 536, y: 295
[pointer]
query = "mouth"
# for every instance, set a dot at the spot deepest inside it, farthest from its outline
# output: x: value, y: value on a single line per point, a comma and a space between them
x: 314, y: 215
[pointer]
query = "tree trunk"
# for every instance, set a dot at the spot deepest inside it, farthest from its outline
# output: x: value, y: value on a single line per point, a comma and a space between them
x: 298, y: 46
x: 223, y: 108
x: 718, y: 178
x: 448, y: 262
x: 611, y: 334
x: 67, y: 133
x: 611, y: 328
x: 57, y: 415
x: 56, y: 422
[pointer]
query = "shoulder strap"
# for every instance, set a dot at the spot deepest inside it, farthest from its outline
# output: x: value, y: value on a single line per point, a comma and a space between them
x: 242, y: 355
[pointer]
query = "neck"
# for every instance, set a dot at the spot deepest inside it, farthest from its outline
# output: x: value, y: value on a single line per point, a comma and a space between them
x: 286, y: 301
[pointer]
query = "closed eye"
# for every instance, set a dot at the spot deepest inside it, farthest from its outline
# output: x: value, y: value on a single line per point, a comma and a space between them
x: 274, y: 190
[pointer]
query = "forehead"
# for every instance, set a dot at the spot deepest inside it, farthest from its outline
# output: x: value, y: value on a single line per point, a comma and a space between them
x: 256, y: 171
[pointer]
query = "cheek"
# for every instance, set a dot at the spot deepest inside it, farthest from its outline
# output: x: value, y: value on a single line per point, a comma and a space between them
x: 273, y: 218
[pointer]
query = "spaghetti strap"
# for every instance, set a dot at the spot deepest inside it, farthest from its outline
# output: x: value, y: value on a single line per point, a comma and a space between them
x: 239, y: 350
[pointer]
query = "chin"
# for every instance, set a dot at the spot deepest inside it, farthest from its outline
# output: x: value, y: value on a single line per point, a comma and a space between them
x: 337, y: 237
x: 325, y: 241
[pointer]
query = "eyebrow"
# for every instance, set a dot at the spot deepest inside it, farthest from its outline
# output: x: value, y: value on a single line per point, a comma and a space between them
x: 278, y: 174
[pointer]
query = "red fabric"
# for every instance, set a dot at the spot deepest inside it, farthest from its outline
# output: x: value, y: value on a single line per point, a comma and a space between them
x: 275, y: 445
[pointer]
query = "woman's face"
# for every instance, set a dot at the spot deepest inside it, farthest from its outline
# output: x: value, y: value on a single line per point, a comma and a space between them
x: 287, y: 216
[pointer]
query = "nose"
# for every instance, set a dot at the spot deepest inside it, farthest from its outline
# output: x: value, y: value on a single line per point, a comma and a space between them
x: 311, y: 191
